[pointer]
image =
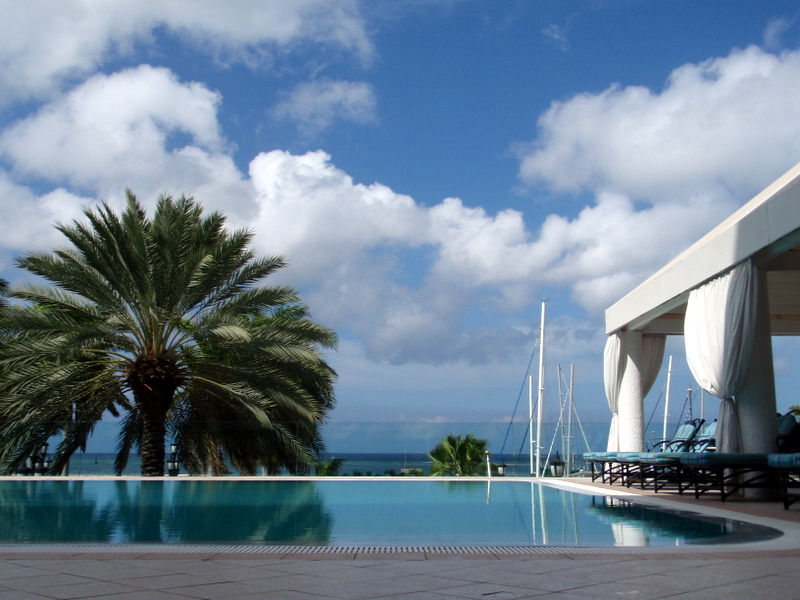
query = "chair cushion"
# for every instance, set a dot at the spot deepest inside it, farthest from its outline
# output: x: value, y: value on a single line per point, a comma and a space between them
x: 599, y: 456
x: 724, y: 459
x: 660, y: 458
x: 628, y: 457
x: 784, y: 461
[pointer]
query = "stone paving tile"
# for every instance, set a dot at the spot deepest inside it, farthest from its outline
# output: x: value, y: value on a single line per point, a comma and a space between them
x: 144, y: 595
x: 9, y: 594
x: 217, y: 591
x: 356, y: 573
x: 14, y: 571
x: 215, y: 570
x: 308, y: 584
x: 166, y: 581
x: 321, y: 568
x: 414, y: 567
x: 490, y: 591
x: 42, y: 580
x: 362, y: 590
x: 571, y: 595
x: 701, y: 578
x: 640, y: 589
x: 111, y: 570
x: 89, y: 589
x: 286, y: 595
x: 773, y: 586
x: 553, y: 581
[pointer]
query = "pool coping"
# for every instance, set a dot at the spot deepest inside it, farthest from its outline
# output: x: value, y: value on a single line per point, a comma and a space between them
x: 788, y: 544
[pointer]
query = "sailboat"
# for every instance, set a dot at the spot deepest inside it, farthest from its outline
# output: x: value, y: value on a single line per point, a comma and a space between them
x: 541, y: 458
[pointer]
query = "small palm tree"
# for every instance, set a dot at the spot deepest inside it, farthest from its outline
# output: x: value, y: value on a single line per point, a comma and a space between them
x: 159, y: 320
x: 330, y: 467
x: 459, y: 456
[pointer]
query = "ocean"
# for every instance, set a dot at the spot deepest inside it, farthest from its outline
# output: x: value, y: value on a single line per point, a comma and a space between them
x: 356, y: 464
x: 389, y: 448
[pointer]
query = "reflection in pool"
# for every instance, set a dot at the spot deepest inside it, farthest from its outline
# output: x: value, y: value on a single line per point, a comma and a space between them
x: 390, y: 512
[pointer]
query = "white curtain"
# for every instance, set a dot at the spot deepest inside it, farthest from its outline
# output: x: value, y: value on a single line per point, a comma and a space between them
x: 652, y: 356
x: 613, y: 370
x: 615, y: 359
x: 718, y: 333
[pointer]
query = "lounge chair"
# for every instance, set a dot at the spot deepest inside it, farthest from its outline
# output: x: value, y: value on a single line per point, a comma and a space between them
x: 730, y: 472
x: 788, y: 467
x: 726, y: 472
x: 664, y: 467
x: 626, y: 467
x: 787, y: 462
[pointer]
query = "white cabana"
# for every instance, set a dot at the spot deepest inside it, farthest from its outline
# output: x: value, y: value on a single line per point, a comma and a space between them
x: 729, y: 293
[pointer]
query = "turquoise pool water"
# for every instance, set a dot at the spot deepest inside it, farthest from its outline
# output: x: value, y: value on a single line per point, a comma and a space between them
x: 391, y: 512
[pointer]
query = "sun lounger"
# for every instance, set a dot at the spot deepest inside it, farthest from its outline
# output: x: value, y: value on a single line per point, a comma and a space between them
x: 726, y: 472
x: 664, y: 468
x: 626, y: 467
x: 788, y: 467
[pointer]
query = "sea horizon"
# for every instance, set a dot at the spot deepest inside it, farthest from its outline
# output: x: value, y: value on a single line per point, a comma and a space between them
x: 355, y: 464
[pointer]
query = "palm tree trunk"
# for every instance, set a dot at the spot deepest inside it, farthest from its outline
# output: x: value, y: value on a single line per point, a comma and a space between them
x: 151, y: 451
x: 154, y: 382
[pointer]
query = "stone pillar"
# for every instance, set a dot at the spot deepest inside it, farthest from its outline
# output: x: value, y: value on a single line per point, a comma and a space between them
x: 631, y: 398
x: 755, y: 402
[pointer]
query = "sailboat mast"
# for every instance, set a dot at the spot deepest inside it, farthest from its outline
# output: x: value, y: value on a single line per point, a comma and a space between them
x: 666, y: 398
x: 531, y: 441
x: 540, y: 400
x: 571, y: 407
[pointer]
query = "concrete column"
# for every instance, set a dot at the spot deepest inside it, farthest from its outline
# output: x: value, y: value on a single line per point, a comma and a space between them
x: 756, y: 400
x: 631, y: 398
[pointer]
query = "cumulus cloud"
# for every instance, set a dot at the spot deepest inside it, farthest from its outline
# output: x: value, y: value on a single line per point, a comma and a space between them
x: 305, y: 197
x: 139, y: 127
x: 730, y: 121
x: 74, y: 38
x: 664, y: 166
x: 317, y: 104
x: 28, y: 219
x: 410, y: 281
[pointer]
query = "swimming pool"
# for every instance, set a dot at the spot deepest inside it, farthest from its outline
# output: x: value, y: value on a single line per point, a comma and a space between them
x: 334, y: 513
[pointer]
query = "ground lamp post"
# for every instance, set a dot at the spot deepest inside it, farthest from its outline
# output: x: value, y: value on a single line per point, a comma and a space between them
x: 501, y: 469
x: 557, y: 466
x: 173, y: 466
x: 43, y: 462
x: 36, y: 464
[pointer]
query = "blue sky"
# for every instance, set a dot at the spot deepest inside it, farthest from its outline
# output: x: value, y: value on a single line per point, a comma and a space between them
x: 431, y: 169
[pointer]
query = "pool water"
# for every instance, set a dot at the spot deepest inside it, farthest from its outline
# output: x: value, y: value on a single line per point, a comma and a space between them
x: 390, y: 512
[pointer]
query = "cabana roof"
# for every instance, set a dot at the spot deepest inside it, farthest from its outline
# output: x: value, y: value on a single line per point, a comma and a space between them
x: 767, y: 228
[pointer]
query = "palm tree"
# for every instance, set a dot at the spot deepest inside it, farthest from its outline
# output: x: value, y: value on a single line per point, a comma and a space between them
x: 329, y: 468
x: 457, y: 455
x: 159, y: 320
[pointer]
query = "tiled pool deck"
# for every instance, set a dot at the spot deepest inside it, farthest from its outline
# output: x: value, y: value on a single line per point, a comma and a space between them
x: 746, y: 571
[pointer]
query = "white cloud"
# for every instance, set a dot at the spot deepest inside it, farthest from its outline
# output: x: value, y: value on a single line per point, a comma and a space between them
x: 412, y: 281
x: 774, y: 32
x: 556, y: 35
x: 73, y: 38
x: 664, y: 166
x: 318, y: 104
x: 731, y: 121
x: 139, y: 128
x: 304, y: 198
x: 27, y: 223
